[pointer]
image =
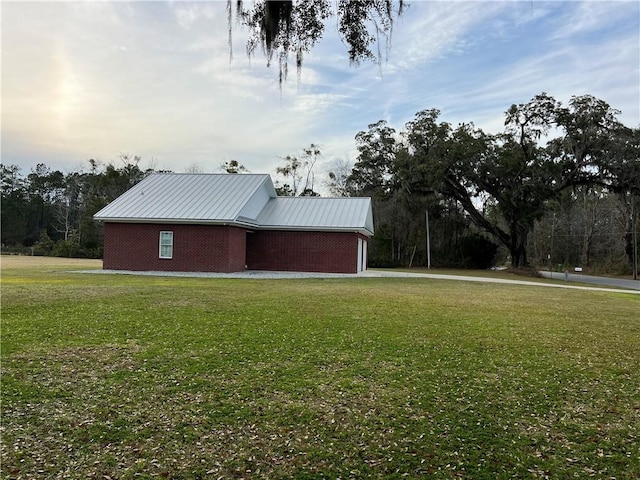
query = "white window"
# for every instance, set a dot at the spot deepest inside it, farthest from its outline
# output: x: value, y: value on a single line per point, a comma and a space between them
x: 166, y: 244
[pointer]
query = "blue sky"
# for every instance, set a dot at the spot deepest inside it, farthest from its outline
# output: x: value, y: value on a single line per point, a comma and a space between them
x: 85, y: 80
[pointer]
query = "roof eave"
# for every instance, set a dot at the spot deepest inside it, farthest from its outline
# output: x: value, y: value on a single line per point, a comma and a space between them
x: 298, y: 228
x: 239, y: 222
x: 179, y: 221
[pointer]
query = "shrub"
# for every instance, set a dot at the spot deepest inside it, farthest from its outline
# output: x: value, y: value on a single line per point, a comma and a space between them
x: 477, y: 251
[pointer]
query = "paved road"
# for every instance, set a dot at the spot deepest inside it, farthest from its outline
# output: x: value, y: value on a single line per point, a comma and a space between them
x: 621, y: 288
x: 631, y: 288
x: 576, y: 277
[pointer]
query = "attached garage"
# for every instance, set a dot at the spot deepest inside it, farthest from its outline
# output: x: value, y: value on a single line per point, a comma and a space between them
x: 229, y: 223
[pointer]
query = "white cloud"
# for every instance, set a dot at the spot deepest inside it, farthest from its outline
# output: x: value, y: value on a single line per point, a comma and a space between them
x: 589, y: 17
x: 442, y: 29
x: 97, y: 79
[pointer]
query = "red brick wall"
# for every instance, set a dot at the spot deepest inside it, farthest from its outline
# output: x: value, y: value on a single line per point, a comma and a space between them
x: 196, y: 248
x: 237, y: 249
x: 207, y: 248
x: 303, y: 251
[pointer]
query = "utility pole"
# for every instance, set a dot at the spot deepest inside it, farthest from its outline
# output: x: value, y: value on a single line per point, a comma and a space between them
x: 428, y: 240
x: 553, y: 225
x: 634, y: 238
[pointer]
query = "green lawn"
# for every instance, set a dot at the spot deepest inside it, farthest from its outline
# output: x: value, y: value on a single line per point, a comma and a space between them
x: 109, y: 376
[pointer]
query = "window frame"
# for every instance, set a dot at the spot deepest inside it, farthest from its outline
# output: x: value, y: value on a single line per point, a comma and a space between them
x: 164, y: 234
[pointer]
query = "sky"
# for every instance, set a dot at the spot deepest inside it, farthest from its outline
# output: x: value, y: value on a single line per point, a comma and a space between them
x: 96, y: 80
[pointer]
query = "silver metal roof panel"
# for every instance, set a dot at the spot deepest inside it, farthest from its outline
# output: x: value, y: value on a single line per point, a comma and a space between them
x: 318, y: 213
x: 244, y: 199
x: 184, y: 197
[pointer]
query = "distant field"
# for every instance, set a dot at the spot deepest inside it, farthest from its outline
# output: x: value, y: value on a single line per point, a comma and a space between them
x: 12, y: 262
x: 110, y: 376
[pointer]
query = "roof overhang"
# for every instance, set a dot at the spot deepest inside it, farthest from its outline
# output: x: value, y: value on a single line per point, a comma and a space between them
x: 178, y: 221
x: 236, y: 223
x: 293, y: 228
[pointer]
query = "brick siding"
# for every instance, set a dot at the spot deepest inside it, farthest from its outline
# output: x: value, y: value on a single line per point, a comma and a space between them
x: 333, y: 252
x: 196, y: 248
x: 209, y: 248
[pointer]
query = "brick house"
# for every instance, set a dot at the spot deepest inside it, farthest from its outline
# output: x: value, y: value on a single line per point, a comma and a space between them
x: 229, y: 223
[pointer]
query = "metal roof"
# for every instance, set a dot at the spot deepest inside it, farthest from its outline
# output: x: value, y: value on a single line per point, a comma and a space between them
x: 318, y: 213
x: 242, y: 199
x: 179, y: 197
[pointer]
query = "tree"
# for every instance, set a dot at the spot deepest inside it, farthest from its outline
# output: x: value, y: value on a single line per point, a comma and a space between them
x: 585, y: 227
x: 523, y: 177
x: 48, y: 206
x: 287, y: 29
x: 399, y: 210
x: 503, y: 183
x: 233, y: 166
x: 621, y: 174
x: 67, y: 205
x: 14, y: 206
x: 338, y: 182
x: 193, y: 168
x: 44, y: 186
x: 593, y: 145
x: 44, y: 245
x: 300, y: 173
x: 466, y: 165
x: 114, y: 181
x: 512, y: 169
x: 373, y: 173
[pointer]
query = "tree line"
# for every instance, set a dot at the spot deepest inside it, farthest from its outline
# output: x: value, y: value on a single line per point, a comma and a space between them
x: 559, y: 186
x: 47, y: 212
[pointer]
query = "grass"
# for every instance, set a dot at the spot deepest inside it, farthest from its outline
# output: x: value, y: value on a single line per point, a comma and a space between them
x: 145, y: 377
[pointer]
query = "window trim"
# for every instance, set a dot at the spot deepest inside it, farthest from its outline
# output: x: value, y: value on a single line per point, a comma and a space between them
x: 166, y: 244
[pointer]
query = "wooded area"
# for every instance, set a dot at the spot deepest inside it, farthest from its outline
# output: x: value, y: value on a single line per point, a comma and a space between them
x: 47, y: 212
x: 559, y: 187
